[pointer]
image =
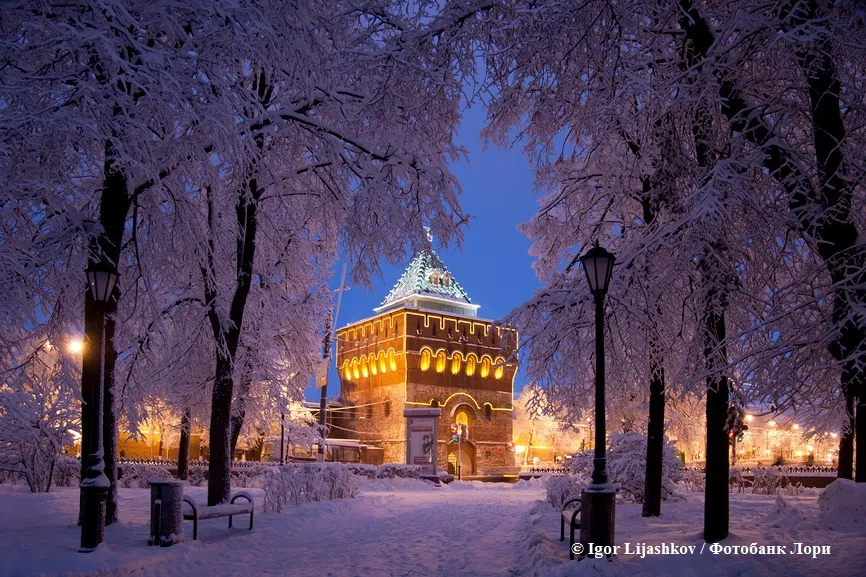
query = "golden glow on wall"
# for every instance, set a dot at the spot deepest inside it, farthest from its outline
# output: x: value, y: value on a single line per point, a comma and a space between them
x: 500, y: 368
x: 485, y: 366
x: 392, y: 360
x: 456, y: 360
x: 470, y: 365
x: 355, y: 370
x: 440, y: 361
x: 374, y: 367
x: 347, y: 372
x: 426, y: 357
x: 382, y: 366
x: 364, y: 371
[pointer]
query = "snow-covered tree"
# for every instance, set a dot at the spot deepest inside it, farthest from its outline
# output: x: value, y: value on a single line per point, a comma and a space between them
x: 38, y: 416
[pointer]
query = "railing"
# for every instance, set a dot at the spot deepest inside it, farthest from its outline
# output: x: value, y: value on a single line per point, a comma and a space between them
x: 548, y: 470
x: 192, y: 463
x: 789, y: 469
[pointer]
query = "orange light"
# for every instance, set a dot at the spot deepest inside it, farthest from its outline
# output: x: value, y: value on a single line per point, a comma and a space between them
x: 75, y: 346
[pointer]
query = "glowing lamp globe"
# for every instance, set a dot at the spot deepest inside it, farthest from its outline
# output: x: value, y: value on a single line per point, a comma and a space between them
x: 598, y: 266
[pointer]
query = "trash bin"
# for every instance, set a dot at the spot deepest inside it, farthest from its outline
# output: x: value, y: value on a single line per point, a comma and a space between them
x: 166, y: 512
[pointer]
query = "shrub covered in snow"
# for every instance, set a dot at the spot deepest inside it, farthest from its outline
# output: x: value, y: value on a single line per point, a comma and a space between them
x: 361, y: 470
x: 392, y: 470
x: 772, y: 481
x: 296, y: 484
x: 626, y: 466
x: 694, y: 480
x: 561, y: 488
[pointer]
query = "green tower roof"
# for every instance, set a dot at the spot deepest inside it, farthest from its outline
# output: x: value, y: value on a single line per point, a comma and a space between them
x: 426, y: 283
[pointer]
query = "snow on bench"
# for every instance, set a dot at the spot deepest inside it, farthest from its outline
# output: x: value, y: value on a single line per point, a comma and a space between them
x: 222, y: 510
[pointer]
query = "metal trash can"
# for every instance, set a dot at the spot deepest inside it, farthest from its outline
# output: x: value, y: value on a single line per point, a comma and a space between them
x: 166, y: 512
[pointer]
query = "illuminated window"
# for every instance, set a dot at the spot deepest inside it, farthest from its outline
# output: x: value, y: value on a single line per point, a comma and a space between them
x: 382, y: 366
x: 470, y: 365
x: 440, y: 362
x: 500, y: 368
x: 456, y: 360
x: 347, y: 371
x: 485, y: 366
x: 355, y: 369
x: 426, y: 357
x: 374, y: 368
x: 364, y: 371
x: 392, y: 360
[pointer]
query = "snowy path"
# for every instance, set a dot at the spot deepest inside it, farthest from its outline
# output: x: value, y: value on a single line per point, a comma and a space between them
x: 418, y: 533
x: 469, y: 529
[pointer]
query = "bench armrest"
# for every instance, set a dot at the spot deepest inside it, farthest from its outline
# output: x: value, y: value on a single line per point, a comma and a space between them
x: 569, y: 502
x: 242, y: 494
x: 191, y: 503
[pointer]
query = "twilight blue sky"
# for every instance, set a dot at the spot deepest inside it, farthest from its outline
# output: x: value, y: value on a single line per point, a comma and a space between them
x: 494, y: 266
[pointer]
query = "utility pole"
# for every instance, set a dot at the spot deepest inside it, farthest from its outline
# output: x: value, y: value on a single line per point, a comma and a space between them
x: 323, y: 402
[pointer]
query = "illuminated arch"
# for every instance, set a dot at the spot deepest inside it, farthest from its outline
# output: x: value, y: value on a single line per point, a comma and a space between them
x: 485, y: 366
x: 347, y: 370
x: 374, y: 366
x: 383, y: 367
x: 500, y: 368
x: 426, y: 357
x: 441, y: 358
x: 462, y: 394
x: 471, y: 361
x: 392, y: 360
x: 364, y: 370
x: 356, y: 371
x: 456, y: 361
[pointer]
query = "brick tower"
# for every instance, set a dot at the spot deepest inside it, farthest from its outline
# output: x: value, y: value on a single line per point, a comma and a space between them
x: 426, y: 346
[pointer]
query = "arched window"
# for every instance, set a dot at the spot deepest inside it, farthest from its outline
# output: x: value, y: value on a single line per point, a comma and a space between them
x: 485, y: 366
x: 364, y: 371
x: 470, y: 365
x: 440, y: 361
x: 382, y: 365
x: 456, y: 361
x: 347, y: 371
x: 434, y: 403
x: 392, y: 360
x: 500, y: 368
x: 387, y: 408
x: 426, y: 357
x: 356, y: 371
x: 374, y: 368
x: 488, y: 411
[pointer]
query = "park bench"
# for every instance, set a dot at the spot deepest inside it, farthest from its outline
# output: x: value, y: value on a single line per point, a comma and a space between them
x: 223, y: 510
x: 570, y: 516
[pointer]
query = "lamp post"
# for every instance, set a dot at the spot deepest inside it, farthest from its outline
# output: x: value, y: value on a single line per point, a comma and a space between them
x: 101, y: 277
x: 282, y: 437
x: 597, y: 511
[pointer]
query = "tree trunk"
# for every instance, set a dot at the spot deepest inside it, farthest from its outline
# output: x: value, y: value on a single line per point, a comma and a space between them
x: 239, y: 411
x: 860, y: 419
x: 652, y: 502
x: 227, y: 339
x: 109, y: 418
x: 846, y: 439
x: 220, y: 463
x: 716, y: 506
x: 183, y: 449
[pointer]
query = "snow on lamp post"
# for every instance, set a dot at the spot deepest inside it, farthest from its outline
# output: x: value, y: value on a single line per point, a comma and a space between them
x: 597, y: 500
x: 101, y: 278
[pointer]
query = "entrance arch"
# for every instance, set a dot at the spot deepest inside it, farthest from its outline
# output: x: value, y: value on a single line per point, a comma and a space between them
x: 466, y: 456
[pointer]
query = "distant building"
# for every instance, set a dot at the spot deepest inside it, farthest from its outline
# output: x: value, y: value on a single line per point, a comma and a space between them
x: 427, y: 347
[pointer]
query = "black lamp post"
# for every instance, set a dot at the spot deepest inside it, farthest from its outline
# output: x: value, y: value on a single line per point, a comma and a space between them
x: 94, y: 487
x: 283, y: 437
x: 597, y: 501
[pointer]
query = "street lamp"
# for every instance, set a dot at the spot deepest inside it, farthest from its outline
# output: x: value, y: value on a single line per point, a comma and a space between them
x: 101, y: 277
x: 597, y: 510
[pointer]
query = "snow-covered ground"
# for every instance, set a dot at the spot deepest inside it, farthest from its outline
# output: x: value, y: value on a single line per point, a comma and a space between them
x: 404, y: 527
